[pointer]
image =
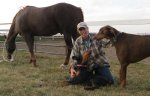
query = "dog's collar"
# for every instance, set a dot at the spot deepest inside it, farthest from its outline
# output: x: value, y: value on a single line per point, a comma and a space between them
x: 80, y: 65
x: 112, y: 41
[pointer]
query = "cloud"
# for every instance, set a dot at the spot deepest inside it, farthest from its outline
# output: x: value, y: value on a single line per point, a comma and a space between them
x: 94, y: 10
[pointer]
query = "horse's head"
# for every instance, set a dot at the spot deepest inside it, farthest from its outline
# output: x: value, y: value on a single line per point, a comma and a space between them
x: 10, y: 47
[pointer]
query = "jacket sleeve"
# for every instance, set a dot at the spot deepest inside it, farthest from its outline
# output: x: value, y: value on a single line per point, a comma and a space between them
x: 102, y: 59
x: 76, y: 53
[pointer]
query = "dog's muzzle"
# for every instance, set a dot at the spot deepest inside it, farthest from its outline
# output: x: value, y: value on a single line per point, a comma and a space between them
x: 106, y: 42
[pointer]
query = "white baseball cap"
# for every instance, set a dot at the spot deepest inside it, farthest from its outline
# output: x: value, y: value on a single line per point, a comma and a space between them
x: 82, y: 24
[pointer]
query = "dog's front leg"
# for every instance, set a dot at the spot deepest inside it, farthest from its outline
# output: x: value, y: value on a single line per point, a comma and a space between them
x: 123, y: 71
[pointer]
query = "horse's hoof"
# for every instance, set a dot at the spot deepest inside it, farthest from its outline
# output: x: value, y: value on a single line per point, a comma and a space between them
x: 62, y: 66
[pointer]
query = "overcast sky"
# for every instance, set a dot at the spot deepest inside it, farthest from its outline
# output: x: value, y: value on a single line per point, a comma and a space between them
x: 94, y: 10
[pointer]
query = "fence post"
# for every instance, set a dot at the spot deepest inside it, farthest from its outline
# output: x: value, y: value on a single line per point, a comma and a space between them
x: 53, y: 37
x: 35, y: 47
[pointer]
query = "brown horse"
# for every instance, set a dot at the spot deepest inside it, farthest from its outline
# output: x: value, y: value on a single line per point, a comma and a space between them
x: 130, y: 48
x: 32, y: 21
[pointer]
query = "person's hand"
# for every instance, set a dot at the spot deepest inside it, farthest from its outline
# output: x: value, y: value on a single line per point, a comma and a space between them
x: 73, y: 72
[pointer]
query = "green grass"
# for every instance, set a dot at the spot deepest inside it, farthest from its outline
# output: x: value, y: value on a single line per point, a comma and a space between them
x: 19, y: 78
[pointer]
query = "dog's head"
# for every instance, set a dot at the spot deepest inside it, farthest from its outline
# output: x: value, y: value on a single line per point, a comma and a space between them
x: 84, y: 58
x: 81, y: 64
x: 107, y: 32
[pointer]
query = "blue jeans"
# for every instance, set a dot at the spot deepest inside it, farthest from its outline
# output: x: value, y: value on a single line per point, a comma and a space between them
x: 100, y: 76
x: 105, y: 72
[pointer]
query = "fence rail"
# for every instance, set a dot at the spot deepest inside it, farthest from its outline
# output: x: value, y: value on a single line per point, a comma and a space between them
x: 91, y: 23
x: 5, y: 23
x: 35, y: 47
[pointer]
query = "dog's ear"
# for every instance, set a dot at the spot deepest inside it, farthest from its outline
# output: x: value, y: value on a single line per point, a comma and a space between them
x: 108, y: 31
x: 114, y: 31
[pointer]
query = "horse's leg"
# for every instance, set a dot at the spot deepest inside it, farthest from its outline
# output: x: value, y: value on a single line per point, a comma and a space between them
x: 69, y: 44
x: 30, y: 43
x: 75, y: 35
x: 123, y: 71
x: 68, y: 47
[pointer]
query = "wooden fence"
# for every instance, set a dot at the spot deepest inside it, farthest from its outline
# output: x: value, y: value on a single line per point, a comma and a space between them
x: 39, y: 47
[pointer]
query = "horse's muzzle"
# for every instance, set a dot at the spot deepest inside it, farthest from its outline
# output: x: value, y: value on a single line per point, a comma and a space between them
x: 9, y: 56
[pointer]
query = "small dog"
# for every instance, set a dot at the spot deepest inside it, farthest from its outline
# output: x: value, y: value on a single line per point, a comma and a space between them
x: 80, y: 74
x: 129, y: 48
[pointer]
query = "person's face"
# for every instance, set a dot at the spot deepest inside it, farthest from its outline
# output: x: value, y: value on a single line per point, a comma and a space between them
x: 84, y: 32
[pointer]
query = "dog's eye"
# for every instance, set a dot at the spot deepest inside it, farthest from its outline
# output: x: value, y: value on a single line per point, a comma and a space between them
x: 106, y: 33
x: 102, y: 32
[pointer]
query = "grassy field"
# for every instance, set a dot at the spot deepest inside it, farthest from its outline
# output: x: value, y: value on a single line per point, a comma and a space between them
x: 19, y: 78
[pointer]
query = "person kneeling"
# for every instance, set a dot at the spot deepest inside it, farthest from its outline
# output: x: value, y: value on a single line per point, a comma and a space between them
x: 89, y: 64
